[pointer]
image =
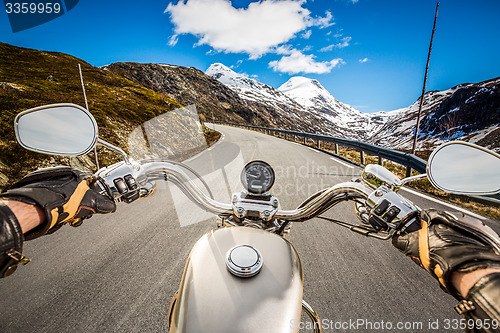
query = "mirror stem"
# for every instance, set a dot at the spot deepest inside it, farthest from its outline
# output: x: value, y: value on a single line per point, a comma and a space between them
x: 112, y: 147
x: 413, y: 178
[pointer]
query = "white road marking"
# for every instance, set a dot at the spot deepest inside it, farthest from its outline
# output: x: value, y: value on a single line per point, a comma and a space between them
x: 463, y: 210
x: 339, y: 161
x: 314, y: 150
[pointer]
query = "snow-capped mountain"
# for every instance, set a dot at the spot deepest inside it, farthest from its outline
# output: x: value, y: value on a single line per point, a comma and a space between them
x: 398, y: 127
x: 299, y: 94
x: 248, y: 88
x: 467, y: 111
x: 315, y: 98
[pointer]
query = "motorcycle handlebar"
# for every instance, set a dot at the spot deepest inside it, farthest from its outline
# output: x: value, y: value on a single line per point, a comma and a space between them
x: 315, y: 205
x: 158, y: 170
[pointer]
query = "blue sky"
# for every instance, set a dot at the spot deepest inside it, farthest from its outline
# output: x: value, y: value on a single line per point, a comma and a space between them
x: 368, y: 53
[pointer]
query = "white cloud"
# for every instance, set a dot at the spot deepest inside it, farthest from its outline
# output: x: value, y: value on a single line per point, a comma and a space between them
x: 307, y: 34
x: 327, y: 48
x: 173, y: 40
x: 256, y: 30
x: 344, y: 43
x: 323, y: 22
x: 238, y: 63
x: 363, y: 60
x: 297, y: 62
x: 284, y: 49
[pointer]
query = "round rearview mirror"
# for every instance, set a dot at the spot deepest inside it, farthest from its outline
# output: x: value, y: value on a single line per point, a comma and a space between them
x: 56, y: 129
x: 464, y: 168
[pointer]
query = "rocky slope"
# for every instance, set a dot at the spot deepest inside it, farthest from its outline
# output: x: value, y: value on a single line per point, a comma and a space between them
x: 244, y: 100
x: 468, y: 112
x: 189, y: 86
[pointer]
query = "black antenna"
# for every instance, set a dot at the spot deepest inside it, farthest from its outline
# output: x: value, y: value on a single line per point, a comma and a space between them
x: 417, y: 127
x: 87, y: 107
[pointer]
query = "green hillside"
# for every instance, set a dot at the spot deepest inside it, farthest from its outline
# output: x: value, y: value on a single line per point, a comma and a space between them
x: 30, y: 78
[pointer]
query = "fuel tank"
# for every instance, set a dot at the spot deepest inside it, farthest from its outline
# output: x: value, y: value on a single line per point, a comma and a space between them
x: 213, y: 299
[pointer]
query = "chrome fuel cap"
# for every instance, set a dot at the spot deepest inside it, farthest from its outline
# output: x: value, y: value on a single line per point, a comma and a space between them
x: 244, y: 261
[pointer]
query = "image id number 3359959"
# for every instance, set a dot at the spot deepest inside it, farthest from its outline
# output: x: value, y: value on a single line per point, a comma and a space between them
x: 32, y: 7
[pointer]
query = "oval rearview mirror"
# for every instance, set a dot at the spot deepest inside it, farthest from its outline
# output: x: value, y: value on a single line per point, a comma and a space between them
x: 56, y: 129
x: 464, y: 168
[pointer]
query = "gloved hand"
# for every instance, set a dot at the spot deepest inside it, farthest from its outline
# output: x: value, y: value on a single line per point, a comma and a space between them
x: 66, y: 195
x: 441, y: 248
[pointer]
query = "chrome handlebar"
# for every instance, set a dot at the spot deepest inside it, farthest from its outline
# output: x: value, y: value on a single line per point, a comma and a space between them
x: 325, y: 200
x: 146, y: 172
x: 155, y: 170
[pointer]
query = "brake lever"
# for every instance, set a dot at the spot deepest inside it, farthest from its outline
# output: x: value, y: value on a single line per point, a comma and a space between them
x: 364, y: 230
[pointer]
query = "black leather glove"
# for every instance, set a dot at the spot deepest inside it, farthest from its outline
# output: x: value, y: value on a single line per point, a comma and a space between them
x: 11, y: 242
x: 445, y: 244
x: 66, y: 195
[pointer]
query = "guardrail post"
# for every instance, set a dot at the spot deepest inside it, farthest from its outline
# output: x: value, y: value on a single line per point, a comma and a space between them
x: 305, y: 140
x: 408, y: 171
x: 317, y: 143
x: 380, y: 161
x: 336, y: 149
x: 362, y: 157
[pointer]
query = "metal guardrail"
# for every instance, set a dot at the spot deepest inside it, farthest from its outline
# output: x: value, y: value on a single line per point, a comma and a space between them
x: 407, y: 159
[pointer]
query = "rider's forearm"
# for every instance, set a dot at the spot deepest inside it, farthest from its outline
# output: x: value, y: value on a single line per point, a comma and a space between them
x: 481, y: 306
x: 463, y: 282
x: 28, y: 216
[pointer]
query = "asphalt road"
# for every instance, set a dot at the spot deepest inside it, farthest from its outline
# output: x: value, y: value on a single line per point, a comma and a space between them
x: 118, y: 272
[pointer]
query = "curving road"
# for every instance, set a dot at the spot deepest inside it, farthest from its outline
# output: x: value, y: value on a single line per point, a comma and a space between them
x: 117, y: 273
